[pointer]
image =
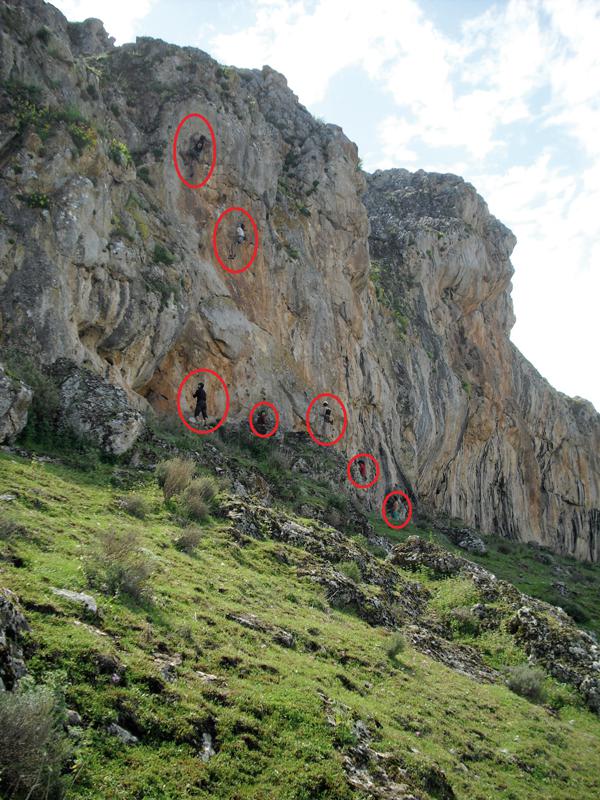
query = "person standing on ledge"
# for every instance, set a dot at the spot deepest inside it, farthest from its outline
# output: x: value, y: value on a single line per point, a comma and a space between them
x: 200, y: 396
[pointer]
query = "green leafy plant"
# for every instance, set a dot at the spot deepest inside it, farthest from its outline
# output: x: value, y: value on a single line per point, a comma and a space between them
x: 144, y: 173
x: 119, y: 153
x: 35, y: 200
x: 351, y: 570
x: 83, y: 134
x: 162, y: 255
x: 396, y: 645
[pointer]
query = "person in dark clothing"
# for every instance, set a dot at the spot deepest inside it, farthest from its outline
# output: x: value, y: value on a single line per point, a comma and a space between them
x: 199, y: 146
x: 192, y: 155
x: 362, y: 468
x: 262, y: 423
x: 200, y: 396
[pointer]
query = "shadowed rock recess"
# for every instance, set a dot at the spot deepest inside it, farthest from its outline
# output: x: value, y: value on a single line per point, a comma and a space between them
x: 107, y: 262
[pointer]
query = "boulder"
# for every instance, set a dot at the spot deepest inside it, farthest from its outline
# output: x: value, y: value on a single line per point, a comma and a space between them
x: 415, y: 553
x: 12, y: 627
x: 15, y: 399
x: 85, y: 600
x: 467, y: 539
x: 96, y: 410
x: 125, y: 736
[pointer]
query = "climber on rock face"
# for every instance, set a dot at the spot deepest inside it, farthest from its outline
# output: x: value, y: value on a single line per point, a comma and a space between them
x: 326, y: 421
x: 262, y: 423
x: 362, y: 468
x: 396, y: 511
x: 200, y: 396
x: 194, y: 151
x: 239, y: 239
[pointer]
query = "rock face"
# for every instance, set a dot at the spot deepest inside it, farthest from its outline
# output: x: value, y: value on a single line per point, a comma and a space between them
x: 12, y: 627
x: 96, y: 410
x: 15, y: 398
x: 491, y: 441
x: 107, y: 261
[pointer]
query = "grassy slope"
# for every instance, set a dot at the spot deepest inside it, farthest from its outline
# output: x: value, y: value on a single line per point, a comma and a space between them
x: 273, y: 737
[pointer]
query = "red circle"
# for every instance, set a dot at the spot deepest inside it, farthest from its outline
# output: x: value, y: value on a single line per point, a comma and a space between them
x: 250, y: 420
x: 214, y: 152
x: 216, y: 249
x: 349, y: 466
x: 384, y: 513
x: 344, y: 425
x: 180, y: 390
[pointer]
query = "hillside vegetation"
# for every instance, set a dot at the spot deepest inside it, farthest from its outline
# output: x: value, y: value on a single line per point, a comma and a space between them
x: 222, y: 664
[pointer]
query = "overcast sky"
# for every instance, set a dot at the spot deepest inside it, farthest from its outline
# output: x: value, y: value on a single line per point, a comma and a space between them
x: 506, y: 94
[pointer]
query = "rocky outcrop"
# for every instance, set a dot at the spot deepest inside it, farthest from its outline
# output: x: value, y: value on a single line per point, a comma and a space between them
x: 546, y: 633
x: 107, y: 261
x: 572, y: 656
x: 13, y: 625
x: 15, y: 399
x: 95, y: 410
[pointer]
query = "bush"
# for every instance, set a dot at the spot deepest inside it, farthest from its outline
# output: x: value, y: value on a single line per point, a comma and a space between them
x: 351, y: 570
x: 174, y: 475
x: 119, y: 565
x: 144, y: 173
x: 35, y: 200
x: 162, y: 255
x: 396, y: 646
x: 198, y: 497
x: 83, y: 135
x: 574, y: 610
x: 189, y: 539
x: 33, y: 747
x: 119, y: 152
x: 136, y: 505
x: 527, y: 682
x: 9, y: 527
x: 43, y: 34
x: 463, y: 621
x: 43, y: 412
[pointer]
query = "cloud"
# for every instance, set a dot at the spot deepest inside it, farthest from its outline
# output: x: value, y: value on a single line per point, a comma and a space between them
x: 310, y: 44
x: 121, y: 19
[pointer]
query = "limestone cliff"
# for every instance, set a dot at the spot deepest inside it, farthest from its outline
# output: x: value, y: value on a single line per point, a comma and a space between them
x: 107, y: 260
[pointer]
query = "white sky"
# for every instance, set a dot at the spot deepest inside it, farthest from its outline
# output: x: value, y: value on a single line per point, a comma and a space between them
x: 506, y: 94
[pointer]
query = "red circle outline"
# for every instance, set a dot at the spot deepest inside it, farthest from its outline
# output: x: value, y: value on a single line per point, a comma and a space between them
x: 227, y: 402
x: 216, y: 249
x: 344, y: 425
x: 253, y: 429
x: 214, y: 156
x: 377, y: 471
x: 384, y: 513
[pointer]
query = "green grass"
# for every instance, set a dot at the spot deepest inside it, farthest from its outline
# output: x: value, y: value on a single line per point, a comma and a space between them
x: 273, y: 740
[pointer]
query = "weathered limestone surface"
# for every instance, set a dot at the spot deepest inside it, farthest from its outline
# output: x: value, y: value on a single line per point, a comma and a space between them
x: 15, y: 398
x: 492, y: 442
x: 116, y: 273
